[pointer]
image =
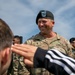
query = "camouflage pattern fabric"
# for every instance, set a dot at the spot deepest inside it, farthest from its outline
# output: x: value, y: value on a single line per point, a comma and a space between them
x: 58, y: 42
x: 18, y: 66
x: 73, y: 50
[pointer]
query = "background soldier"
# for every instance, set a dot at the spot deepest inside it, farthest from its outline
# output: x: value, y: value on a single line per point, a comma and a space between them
x: 72, y: 42
x: 17, y: 66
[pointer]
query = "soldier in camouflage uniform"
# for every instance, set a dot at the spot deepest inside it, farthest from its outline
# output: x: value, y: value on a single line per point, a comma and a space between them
x: 72, y: 42
x: 17, y: 66
x: 47, y: 39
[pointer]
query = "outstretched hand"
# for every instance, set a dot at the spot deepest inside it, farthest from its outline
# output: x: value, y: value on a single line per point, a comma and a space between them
x: 27, y: 51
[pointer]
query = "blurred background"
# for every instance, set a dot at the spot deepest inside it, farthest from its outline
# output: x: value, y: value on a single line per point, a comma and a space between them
x: 21, y: 16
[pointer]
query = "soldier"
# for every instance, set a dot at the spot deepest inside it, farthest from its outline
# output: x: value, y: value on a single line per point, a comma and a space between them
x: 72, y: 42
x: 17, y: 66
x: 47, y: 39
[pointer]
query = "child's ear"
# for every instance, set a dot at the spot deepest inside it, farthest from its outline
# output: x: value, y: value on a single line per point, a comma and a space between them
x: 5, y: 55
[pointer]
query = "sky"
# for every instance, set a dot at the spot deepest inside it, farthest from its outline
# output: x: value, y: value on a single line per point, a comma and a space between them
x: 20, y: 15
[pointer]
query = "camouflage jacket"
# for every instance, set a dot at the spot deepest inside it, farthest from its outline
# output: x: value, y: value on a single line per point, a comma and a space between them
x: 18, y: 66
x: 58, y: 42
x: 73, y: 50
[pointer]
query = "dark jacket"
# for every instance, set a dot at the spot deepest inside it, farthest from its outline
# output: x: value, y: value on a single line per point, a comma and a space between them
x: 54, y: 61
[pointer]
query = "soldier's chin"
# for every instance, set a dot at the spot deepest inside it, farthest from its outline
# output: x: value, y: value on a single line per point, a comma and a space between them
x: 43, y: 33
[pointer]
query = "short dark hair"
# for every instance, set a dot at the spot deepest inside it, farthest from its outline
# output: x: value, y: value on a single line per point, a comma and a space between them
x: 72, y: 39
x: 19, y: 37
x: 6, y: 35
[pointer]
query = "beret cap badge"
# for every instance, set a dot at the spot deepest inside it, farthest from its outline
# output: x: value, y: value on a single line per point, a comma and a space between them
x: 43, y: 13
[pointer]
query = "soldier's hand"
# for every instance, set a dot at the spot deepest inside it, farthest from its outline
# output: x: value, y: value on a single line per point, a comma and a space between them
x: 27, y: 51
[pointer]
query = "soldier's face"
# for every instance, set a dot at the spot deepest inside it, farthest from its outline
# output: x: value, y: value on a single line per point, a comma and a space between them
x: 73, y: 44
x: 16, y: 41
x: 45, y: 25
x: 5, y: 60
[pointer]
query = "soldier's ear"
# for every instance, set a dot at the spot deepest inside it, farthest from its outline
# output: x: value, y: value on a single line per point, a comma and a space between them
x: 53, y: 22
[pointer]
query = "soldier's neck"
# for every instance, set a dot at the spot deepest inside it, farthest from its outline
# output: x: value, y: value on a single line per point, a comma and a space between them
x: 49, y: 35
